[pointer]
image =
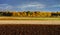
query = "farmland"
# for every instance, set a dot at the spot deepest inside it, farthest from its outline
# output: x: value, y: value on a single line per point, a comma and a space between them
x: 29, y: 29
x: 17, y: 24
x: 29, y: 18
x: 28, y: 15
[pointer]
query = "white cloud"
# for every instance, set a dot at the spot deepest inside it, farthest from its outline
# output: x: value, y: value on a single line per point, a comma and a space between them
x: 22, y: 7
x: 5, y: 7
x: 31, y: 5
x: 55, y: 6
x: 34, y: 5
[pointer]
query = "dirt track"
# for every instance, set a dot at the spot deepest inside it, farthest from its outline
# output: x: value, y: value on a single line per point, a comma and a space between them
x: 53, y: 22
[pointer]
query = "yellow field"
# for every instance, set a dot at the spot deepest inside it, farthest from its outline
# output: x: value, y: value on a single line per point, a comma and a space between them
x: 29, y: 18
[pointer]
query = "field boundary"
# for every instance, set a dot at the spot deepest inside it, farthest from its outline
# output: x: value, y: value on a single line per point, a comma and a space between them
x: 29, y: 18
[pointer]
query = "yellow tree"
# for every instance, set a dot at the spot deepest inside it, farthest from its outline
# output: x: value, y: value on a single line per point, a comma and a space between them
x: 14, y: 13
x: 37, y: 14
x: 33, y: 14
x: 28, y: 13
x: 24, y: 14
x: 49, y: 14
x: 43, y: 14
x: 18, y: 14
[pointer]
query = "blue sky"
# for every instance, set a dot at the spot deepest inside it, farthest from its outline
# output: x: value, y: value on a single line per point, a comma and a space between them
x: 30, y: 5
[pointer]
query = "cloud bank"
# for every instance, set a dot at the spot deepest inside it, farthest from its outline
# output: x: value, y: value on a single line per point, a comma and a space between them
x: 28, y: 7
x: 5, y: 7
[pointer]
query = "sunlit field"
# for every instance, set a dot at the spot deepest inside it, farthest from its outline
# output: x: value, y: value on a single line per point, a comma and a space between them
x: 29, y: 18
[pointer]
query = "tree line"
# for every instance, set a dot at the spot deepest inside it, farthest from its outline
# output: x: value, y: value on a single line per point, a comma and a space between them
x: 30, y: 14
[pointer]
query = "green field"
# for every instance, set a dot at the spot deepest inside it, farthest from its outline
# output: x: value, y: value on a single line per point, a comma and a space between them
x: 29, y: 18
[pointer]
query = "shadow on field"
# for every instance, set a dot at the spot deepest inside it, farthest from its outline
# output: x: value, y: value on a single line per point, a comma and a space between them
x: 29, y: 29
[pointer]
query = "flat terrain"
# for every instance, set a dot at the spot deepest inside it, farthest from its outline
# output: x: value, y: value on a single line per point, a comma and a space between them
x: 47, y: 22
x: 29, y: 20
x: 29, y: 26
x: 29, y: 29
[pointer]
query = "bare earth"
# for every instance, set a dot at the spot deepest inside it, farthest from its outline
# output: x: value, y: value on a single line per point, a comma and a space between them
x: 46, y: 22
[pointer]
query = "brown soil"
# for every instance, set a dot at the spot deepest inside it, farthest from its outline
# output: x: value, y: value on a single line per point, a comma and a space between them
x: 29, y: 29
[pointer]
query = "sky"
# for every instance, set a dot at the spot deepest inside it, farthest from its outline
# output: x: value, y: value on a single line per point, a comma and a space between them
x: 30, y: 5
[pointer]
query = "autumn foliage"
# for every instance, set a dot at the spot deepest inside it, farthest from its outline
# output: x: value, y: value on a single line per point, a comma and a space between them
x: 30, y: 14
